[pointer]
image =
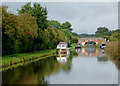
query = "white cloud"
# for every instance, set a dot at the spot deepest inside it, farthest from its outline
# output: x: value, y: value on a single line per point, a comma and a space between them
x: 85, y: 17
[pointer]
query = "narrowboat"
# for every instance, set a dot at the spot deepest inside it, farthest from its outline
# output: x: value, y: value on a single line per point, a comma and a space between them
x: 62, y: 48
x: 102, y: 45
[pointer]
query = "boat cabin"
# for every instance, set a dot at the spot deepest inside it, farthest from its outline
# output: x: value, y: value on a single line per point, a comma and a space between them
x: 62, y: 48
x: 62, y: 45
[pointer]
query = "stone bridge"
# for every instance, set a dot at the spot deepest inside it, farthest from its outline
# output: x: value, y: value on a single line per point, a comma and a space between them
x: 83, y: 41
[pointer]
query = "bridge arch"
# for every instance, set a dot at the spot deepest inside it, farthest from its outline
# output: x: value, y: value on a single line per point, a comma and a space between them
x: 83, y: 41
x: 90, y: 42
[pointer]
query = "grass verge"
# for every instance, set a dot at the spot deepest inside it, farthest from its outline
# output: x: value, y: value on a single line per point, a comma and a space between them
x: 15, y: 60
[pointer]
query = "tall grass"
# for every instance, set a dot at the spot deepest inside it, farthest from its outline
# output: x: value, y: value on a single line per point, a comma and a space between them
x: 113, y: 49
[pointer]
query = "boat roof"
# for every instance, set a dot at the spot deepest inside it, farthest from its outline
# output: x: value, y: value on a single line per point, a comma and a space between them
x: 62, y: 42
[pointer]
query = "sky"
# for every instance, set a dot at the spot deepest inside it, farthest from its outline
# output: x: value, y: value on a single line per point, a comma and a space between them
x: 85, y: 17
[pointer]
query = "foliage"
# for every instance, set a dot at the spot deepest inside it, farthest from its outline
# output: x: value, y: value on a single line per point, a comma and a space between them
x: 31, y: 31
x: 74, y: 39
x: 66, y: 25
x: 86, y: 35
x: 74, y: 34
x: 103, y: 31
x: 14, y: 31
x: 54, y: 24
x: 115, y: 36
x: 38, y: 12
x: 68, y: 34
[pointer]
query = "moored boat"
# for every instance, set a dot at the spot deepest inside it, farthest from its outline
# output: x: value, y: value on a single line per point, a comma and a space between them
x: 78, y: 46
x: 62, y: 48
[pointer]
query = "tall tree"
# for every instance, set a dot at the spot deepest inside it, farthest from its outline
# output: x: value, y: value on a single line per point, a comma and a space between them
x: 66, y: 25
x: 54, y: 24
x: 102, y: 30
x: 38, y: 12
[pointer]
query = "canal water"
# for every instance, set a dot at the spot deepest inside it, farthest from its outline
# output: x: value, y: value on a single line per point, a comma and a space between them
x: 80, y: 66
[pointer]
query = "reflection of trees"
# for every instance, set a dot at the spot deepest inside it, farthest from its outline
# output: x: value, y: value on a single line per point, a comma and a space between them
x: 35, y: 72
x: 116, y: 62
x: 103, y: 59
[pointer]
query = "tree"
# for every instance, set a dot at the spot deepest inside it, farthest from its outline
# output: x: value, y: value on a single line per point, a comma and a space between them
x: 74, y: 34
x: 18, y: 32
x: 38, y: 12
x: 118, y: 30
x: 66, y: 25
x: 102, y: 30
x: 54, y: 24
x: 115, y: 36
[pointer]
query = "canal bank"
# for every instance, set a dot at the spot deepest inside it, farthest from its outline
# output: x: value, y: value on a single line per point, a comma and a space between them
x: 15, y: 60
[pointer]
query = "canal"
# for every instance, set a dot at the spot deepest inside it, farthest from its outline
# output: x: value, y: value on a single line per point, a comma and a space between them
x: 80, y: 66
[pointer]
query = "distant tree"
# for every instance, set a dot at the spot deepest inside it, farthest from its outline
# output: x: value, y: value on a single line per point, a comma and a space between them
x: 54, y: 24
x: 102, y: 30
x: 66, y: 25
x: 118, y: 30
x: 38, y: 12
x: 74, y: 34
x: 87, y: 35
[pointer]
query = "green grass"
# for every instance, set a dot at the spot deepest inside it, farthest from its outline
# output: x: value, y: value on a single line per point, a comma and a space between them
x: 19, y: 58
x: 15, y: 58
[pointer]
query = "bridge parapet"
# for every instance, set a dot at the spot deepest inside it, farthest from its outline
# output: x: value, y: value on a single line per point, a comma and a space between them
x: 96, y: 40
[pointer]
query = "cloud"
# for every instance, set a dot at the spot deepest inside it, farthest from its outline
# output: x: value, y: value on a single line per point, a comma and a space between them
x: 85, y: 17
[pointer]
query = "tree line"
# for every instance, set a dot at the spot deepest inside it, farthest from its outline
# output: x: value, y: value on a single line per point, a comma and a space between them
x: 29, y: 30
x: 103, y: 32
x: 111, y: 35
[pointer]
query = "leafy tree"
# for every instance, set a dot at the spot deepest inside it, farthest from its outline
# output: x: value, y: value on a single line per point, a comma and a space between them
x: 74, y: 34
x: 118, y: 30
x: 115, y: 36
x: 54, y: 24
x: 66, y: 25
x: 102, y: 30
x: 18, y: 32
x: 68, y: 34
x: 87, y: 35
x: 74, y: 39
x: 38, y: 12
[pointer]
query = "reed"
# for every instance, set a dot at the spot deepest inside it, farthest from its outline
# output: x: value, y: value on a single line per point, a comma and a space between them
x: 113, y: 49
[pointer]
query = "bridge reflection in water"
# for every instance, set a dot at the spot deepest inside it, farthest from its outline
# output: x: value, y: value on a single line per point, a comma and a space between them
x: 90, y: 52
x: 99, y: 53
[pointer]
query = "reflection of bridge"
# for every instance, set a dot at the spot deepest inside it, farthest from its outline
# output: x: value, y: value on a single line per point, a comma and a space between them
x: 90, y: 52
x: 85, y: 40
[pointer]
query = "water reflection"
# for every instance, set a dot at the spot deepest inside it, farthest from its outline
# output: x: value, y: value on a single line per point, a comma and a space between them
x: 62, y: 58
x: 65, y: 68
x: 90, y: 52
